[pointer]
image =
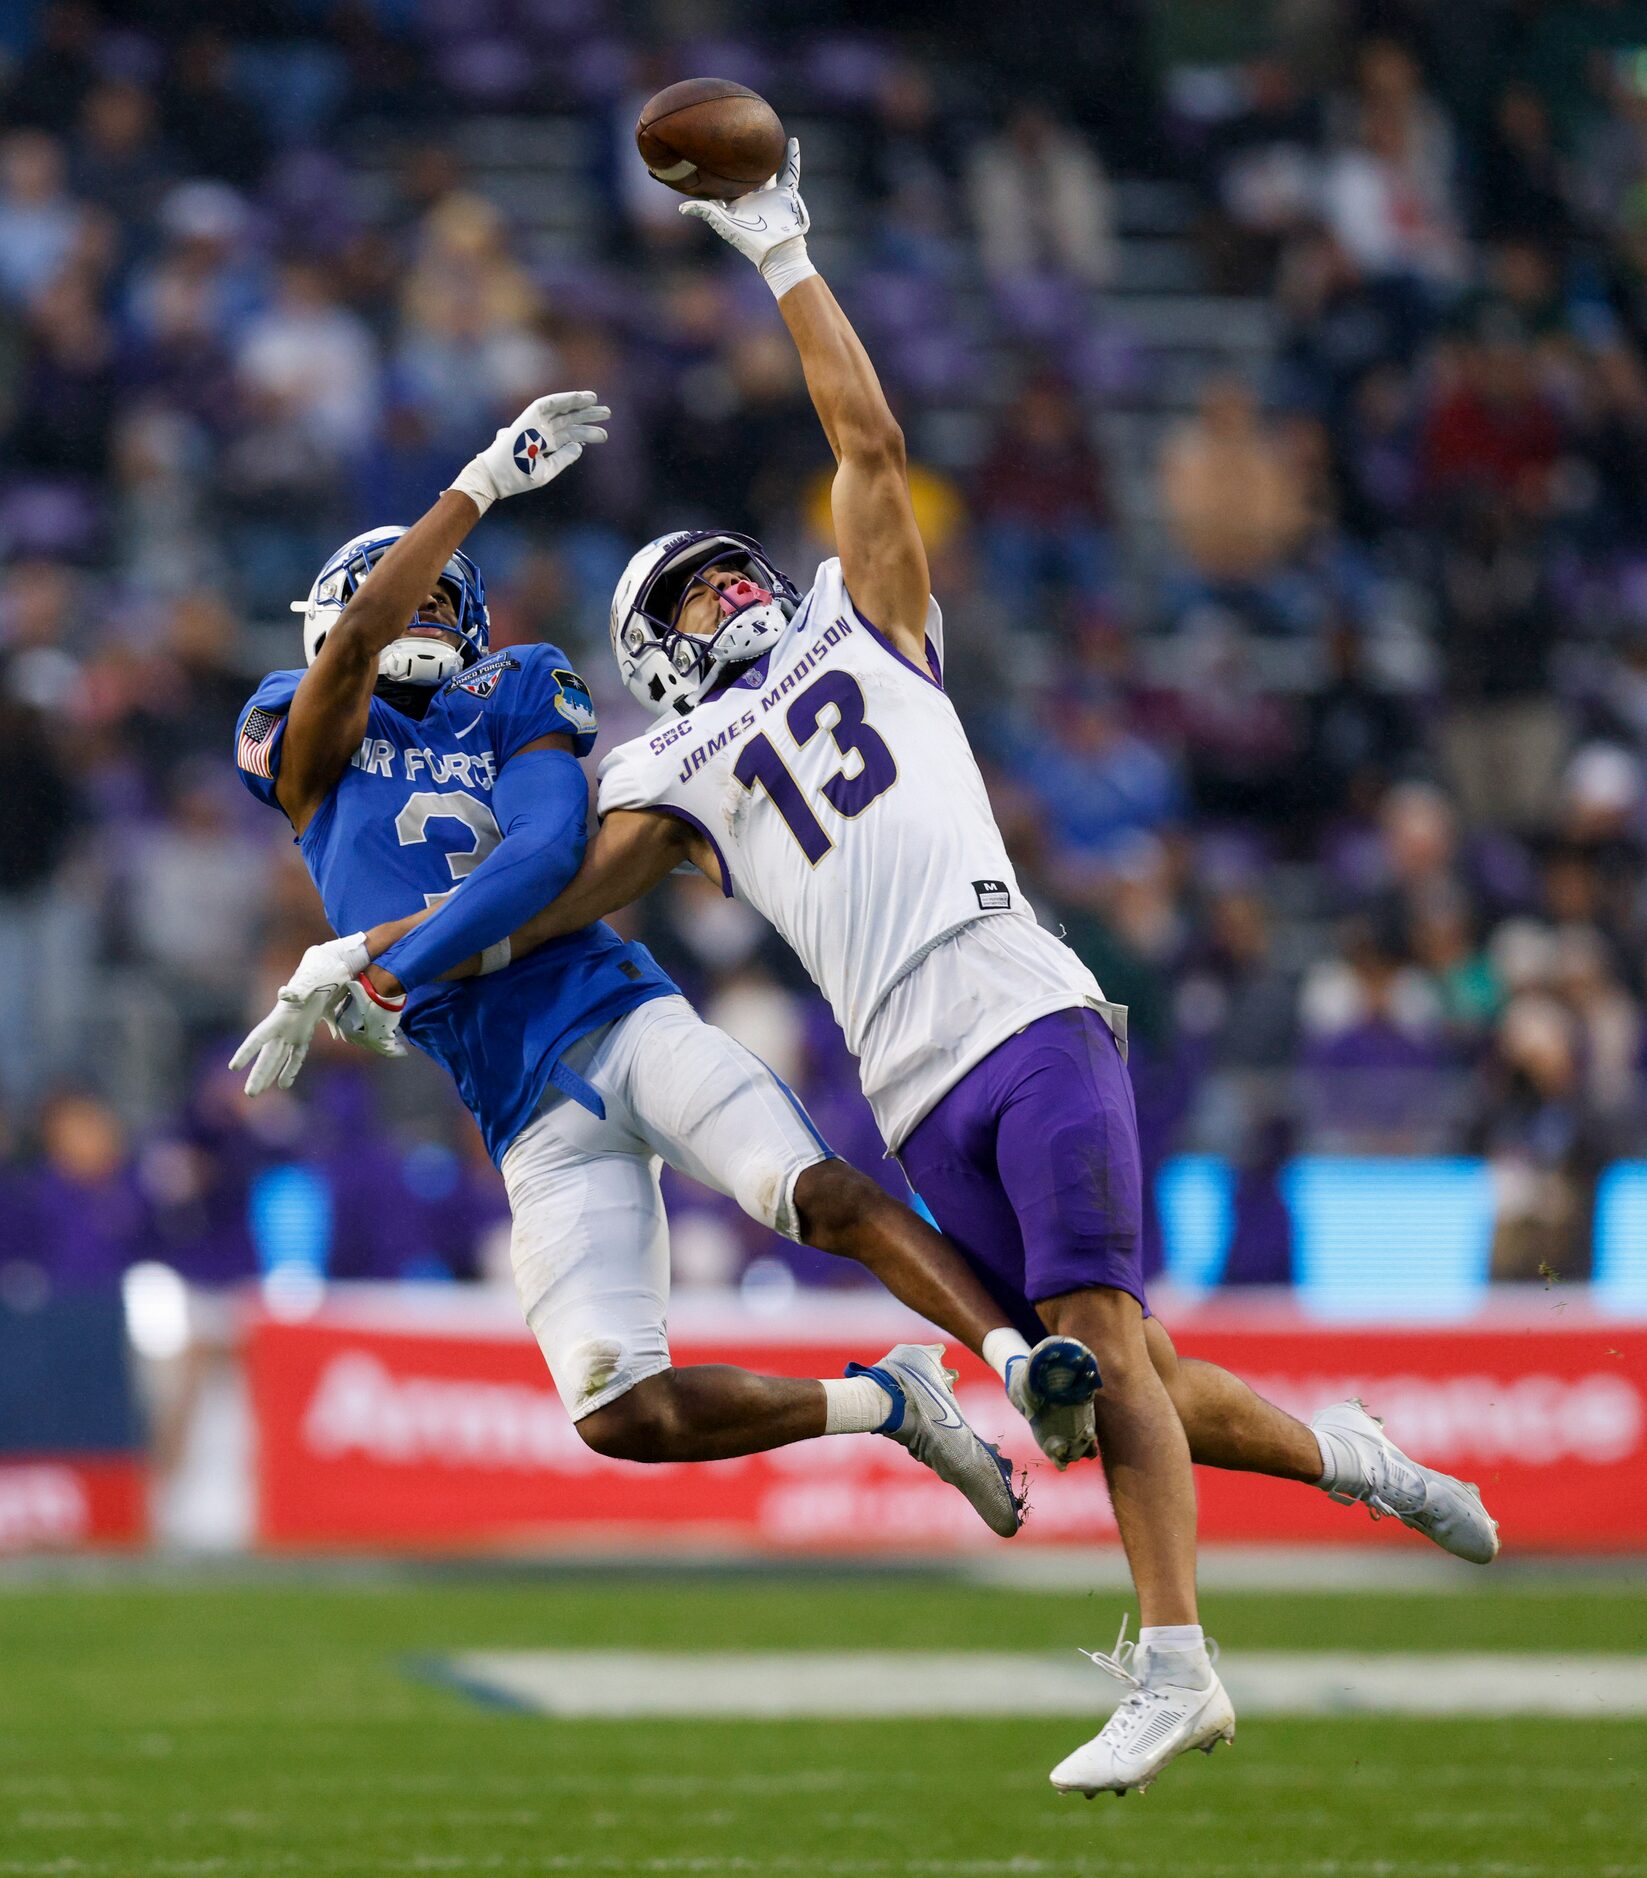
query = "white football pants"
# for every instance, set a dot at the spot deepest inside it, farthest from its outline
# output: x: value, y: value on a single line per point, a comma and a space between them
x: 590, y: 1243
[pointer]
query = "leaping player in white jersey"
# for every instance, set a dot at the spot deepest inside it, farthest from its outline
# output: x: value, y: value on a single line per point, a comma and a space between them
x: 807, y: 759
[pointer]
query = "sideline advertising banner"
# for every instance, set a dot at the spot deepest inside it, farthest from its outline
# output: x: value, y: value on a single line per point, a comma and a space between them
x: 439, y: 1429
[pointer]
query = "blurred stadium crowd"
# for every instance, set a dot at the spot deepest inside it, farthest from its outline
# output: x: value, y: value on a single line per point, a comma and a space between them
x: 1275, y: 383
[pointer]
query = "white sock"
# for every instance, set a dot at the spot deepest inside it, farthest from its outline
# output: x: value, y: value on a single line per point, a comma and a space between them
x: 1001, y: 1346
x: 1340, y: 1463
x: 854, y: 1405
x: 1172, y: 1637
x: 1177, y: 1653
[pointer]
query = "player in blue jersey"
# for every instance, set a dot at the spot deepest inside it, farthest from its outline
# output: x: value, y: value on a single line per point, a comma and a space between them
x: 420, y: 769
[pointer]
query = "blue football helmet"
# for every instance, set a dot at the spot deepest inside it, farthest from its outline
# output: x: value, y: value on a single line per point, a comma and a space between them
x: 412, y: 659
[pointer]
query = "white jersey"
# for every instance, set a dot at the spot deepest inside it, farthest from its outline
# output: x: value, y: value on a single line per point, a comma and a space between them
x: 837, y: 788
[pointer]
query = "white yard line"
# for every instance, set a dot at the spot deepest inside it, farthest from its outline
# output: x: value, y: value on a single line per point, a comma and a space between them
x: 883, y: 1683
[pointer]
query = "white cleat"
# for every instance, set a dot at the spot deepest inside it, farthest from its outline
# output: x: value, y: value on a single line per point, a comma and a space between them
x: 1156, y: 1723
x: 1052, y: 1388
x: 1395, y: 1486
x: 928, y: 1421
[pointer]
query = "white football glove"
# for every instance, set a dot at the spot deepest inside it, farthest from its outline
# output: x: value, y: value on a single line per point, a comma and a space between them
x: 366, y: 1017
x: 768, y: 226
x: 325, y: 981
x: 530, y: 453
x: 275, y: 1049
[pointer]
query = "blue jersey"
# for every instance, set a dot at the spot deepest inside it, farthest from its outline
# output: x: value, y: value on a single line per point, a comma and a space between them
x: 409, y: 818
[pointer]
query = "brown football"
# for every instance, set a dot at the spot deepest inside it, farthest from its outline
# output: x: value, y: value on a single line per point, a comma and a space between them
x: 710, y: 137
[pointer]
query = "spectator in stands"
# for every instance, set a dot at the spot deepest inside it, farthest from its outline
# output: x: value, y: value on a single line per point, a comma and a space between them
x: 119, y: 159
x: 211, y: 126
x: 1375, y: 1047
x: 1341, y: 324
x: 1042, y: 498
x: 205, y: 283
x: 89, y: 1213
x: 1236, y: 993
x: 68, y: 388
x: 309, y: 367
x: 1505, y: 730
x: 1098, y: 784
x: 908, y: 163
x: 1357, y: 734
x: 1522, y: 186
x: 42, y: 227
x: 1233, y: 497
x: 467, y: 343
x: 1492, y: 428
x: 40, y: 921
x: 1440, y: 930
x: 193, y: 896
x: 1544, y: 1141
x: 1041, y: 201
x: 1389, y: 191
x: 307, y: 375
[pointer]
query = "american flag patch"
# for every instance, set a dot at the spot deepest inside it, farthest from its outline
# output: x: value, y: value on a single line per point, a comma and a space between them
x: 255, y: 750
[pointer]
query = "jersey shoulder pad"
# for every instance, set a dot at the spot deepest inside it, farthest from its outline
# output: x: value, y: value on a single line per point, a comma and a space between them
x: 258, y: 732
x: 632, y: 776
x: 530, y: 692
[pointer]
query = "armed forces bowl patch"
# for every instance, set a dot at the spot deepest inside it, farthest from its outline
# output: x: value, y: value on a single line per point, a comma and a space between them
x: 481, y: 680
x: 529, y: 451
x: 576, y: 704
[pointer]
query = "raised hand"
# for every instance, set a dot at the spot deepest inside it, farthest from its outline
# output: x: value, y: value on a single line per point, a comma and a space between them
x: 768, y: 226
x: 548, y: 437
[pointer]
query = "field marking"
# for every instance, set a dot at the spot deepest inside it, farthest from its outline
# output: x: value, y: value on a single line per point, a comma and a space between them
x: 848, y: 1685
x: 707, y: 1865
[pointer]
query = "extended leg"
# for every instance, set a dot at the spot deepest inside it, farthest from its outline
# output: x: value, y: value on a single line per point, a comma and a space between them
x: 1344, y: 1450
x: 706, y: 1412
x: 1229, y: 1424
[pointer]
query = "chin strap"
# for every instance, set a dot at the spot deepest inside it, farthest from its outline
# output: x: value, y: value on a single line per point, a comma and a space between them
x: 411, y: 660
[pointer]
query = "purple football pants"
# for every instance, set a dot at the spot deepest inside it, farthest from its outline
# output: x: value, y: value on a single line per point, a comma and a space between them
x: 1030, y: 1165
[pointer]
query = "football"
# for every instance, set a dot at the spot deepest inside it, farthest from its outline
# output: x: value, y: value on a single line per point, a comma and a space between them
x: 710, y: 137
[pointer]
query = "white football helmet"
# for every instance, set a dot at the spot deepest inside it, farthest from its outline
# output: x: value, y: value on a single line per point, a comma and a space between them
x: 412, y: 659
x: 666, y: 669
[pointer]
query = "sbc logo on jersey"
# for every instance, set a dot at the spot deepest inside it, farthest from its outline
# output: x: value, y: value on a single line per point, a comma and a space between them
x: 576, y: 705
x: 530, y: 450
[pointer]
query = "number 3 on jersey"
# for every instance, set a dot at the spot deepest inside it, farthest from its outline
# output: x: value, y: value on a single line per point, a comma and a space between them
x: 431, y: 805
x: 849, y: 795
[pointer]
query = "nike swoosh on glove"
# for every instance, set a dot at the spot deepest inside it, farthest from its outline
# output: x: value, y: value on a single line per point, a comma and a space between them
x: 768, y: 226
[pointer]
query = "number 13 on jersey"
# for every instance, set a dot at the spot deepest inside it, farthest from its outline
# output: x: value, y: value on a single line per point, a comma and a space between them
x: 848, y: 793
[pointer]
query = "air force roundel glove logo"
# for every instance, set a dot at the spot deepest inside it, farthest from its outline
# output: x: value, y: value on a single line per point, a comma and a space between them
x: 530, y: 450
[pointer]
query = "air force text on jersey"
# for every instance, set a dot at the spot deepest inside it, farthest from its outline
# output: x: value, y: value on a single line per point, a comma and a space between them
x: 380, y: 756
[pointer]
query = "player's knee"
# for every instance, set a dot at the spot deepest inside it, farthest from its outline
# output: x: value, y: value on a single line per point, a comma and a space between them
x: 834, y: 1204
x: 642, y: 1424
x: 1111, y: 1323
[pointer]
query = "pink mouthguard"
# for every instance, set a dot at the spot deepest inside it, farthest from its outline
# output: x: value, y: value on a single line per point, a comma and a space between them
x: 743, y: 593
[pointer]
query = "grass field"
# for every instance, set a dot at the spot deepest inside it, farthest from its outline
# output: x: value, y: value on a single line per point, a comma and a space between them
x: 281, y: 1727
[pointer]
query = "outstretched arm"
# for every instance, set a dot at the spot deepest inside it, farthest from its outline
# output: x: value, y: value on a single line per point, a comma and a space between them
x: 882, y: 555
x: 633, y: 851
x: 328, y: 713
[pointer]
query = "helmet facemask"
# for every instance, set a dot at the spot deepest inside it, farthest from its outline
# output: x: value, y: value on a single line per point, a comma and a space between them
x: 668, y: 668
x: 413, y: 658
